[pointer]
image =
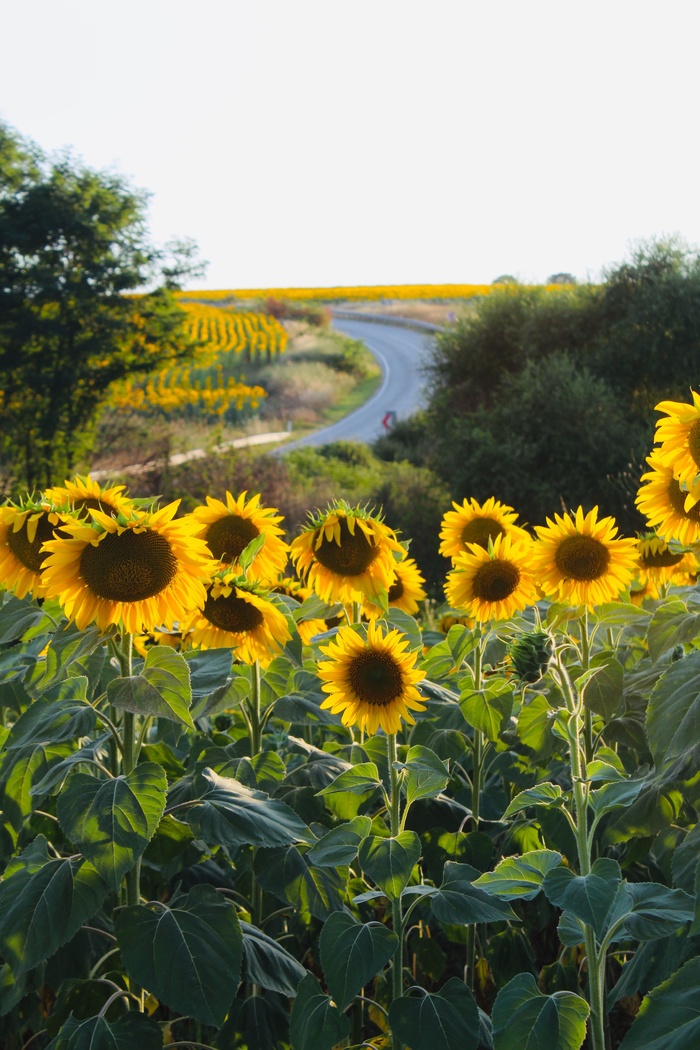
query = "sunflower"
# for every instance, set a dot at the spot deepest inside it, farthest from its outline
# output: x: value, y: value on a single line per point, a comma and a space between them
x: 659, y: 562
x: 578, y: 560
x: 404, y: 593
x: 679, y: 437
x: 639, y: 591
x: 371, y: 680
x: 345, y: 554
x: 179, y: 640
x: 80, y: 494
x: 228, y: 528
x: 492, y: 584
x: 661, y: 499
x: 142, y: 571
x: 236, y: 616
x: 23, y: 531
x: 474, y: 522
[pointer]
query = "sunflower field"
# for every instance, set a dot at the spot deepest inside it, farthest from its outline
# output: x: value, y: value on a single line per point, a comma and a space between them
x: 358, y: 293
x: 210, y: 387
x: 258, y: 794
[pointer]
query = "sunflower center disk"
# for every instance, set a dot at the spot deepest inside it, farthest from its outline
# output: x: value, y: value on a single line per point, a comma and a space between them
x: 481, y: 530
x: 88, y: 502
x: 375, y: 678
x: 694, y: 442
x: 395, y: 591
x: 232, y: 613
x: 661, y: 559
x: 676, y: 497
x: 228, y: 537
x: 29, y: 552
x: 582, y: 558
x: 494, y: 581
x: 351, y: 557
x: 128, y: 567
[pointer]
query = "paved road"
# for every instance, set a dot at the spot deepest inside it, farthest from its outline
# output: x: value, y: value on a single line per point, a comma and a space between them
x: 400, y: 352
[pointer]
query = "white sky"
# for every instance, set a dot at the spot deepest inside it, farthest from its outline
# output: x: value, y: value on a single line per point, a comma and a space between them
x: 323, y: 142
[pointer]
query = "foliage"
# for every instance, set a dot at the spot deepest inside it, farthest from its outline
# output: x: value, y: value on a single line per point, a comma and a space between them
x: 73, y: 244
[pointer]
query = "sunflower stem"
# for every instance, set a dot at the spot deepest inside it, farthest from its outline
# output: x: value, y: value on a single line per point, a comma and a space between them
x: 254, y: 711
x: 477, y: 768
x: 395, y: 825
x: 595, y: 956
x: 585, y: 664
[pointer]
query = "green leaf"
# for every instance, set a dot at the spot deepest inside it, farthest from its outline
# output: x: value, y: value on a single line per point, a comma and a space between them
x: 43, y: 903
x: 523, y: 1017
x: 50, y: 721
x: 656, y: 911
x: 673, y: 714
x: 613, y: 795
x: 13, y: 988
x: 21, y: 771
x: 17, y: 616
x: 132, y: 1029
x: 352, y: 953
x: 519, y: 877
x: 591, y: 898
x: 256, y: 1023
x: 388, y: 862
x: 426, y: 774
x: 671, y: 625
x: 542, y: 794
x: 187, y: 953
x: 685, y: 860
x: 162, y: 690
x: 68, y: 646
x: 289, y: 874
x: 340, y: 845
x: 459, y: 901
x: 488, y: 709
x: 604, y: 691
x: 316, y: 1022
x: 268, y: 964
x: 303, y: 710
x: 535, y: 725
x: 362, y: 779
x: 669, y: 1017
x: 444, y: 1020
x: 112, y: 821
x: 232, y: 814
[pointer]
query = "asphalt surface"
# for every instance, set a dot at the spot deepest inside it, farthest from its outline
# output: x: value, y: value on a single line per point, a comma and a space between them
x: 400, y: 353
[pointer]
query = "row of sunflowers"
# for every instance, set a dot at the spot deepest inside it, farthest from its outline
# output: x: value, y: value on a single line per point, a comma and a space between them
x: 410, y: 829
x: 206, y: 387
x: 356, y: 293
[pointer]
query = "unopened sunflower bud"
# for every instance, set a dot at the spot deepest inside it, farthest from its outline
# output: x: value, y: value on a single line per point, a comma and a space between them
x: 530, y: 655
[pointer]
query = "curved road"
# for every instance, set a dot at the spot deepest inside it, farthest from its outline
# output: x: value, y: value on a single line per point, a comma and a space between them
x: 400, y: 352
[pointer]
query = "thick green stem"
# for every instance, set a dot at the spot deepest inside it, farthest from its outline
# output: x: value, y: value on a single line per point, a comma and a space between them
x: 477, y: 769
x: 395, y: 824
x: 586, y: 663
x: 254, y: 712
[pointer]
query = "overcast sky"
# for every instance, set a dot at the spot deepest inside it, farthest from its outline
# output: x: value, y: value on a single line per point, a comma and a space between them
x: 324, y: 142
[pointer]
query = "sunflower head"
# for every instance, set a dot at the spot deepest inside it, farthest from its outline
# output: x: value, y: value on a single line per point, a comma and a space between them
x: 663, y: 500
x: 495, y: 583
x: 678, y: 437
x: 239, y: 615
x: 345, y: 554
x: 371, y: 678
x: 405, y: 592
x: 579, y: 560
x: 660, y: 562
x: 24, y: 529
x: 142, y: 570
x: 228, y: 528
x: 479, y: 523
x: 295, y: 590
x: 81, y: 494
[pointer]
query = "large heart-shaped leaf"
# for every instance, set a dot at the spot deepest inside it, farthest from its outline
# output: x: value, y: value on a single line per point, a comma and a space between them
x: 290, y: 875
x: 316, y: 1022
x: 524, y: 1017
x: 162, y: 690
x: 444, y: 1020
x: 459, y: 901
x: 131, y: 1030
x: 232, y: 814
x: 426, y: 774
x: 268, y: 964
x: 669, y: 1017
x: 389, y: 862
x: 591, y: 898
x: 488, y: 709
x: 352, y: 953
x: 341, y: 844
x: 187, y: 953
x: 43, y: 903
x: 519, y: 877
x: 51, y: 721
x: 673, y: 714
x: 112, y: 821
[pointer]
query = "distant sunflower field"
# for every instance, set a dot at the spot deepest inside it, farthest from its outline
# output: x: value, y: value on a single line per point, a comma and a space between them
x: 354, y: 292
x: 258, y: 794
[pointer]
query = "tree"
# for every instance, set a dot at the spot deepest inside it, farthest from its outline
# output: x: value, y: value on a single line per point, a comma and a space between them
x: 74, y: 252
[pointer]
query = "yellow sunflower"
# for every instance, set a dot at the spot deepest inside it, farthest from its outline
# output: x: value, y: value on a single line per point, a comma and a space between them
x: 235, y: 616
x: 578, y: 560
x: 474, y: 522
x: 448, y: 620
x: 640, y: 590
x: 659, y: 562
x: 229, y: 527
x: 296, y: 590
x: 142, y: 571
x: 345, y: 554
x: 179, y: 640
x: 679, y: 437
x: 492, y: 584
x: 662, y: 501
x: 80, y: 494
x: 405, y: 592
x: 371, y: 680
x: 23, y: 531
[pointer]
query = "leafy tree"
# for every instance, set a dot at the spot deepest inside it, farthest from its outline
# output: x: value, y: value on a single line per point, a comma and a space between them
x: 73, y: 251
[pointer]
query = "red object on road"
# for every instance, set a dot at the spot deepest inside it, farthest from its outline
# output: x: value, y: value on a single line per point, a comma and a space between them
x: 389, y: 420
